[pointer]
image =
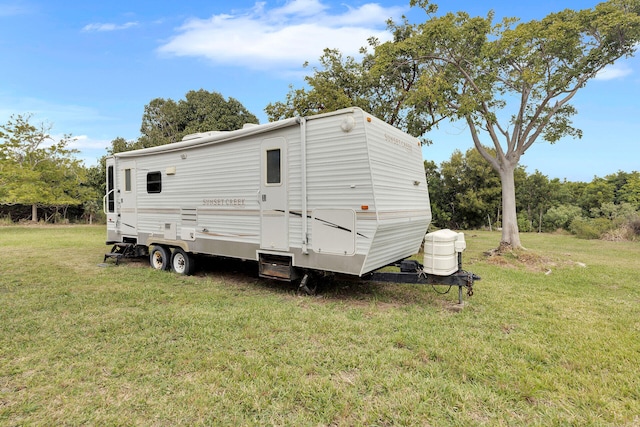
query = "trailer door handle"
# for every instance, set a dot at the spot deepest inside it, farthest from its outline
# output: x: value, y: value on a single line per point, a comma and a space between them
x: 264, y: 197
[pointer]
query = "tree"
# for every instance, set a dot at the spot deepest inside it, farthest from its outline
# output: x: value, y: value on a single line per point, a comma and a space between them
x: 472, y: 190
x: 626, y: 187
x: 345, y: 82
x: 119, y: 145
x: 161, y: 124
x: 511, y: 83
x: 440, y: 214
x: 571, y: 192
x: 36, y: 169
x: 90, y: 209
x: 595, y: 194
x: 167, y: 121
x: 630, y: 191
x: 341, y: 84
x: 535, y: 193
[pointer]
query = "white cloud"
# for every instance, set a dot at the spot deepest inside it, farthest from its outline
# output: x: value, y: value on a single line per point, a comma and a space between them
x: 278, y: 37
x: 78, y: 142
x: 108, y: 26
x: 297, y: 7
x: 84, y: 142
x: 615, y: 71
x: 90, y: 149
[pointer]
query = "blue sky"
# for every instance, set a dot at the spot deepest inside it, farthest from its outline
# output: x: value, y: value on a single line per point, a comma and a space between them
x: 89, y: 67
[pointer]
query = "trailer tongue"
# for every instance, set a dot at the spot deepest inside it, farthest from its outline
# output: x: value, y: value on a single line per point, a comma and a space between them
x: 413, y: 272
x: 442, y: 266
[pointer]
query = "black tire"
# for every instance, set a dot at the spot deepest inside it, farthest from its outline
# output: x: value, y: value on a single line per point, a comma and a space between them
x: 159, y: 258
x: 182, y: 262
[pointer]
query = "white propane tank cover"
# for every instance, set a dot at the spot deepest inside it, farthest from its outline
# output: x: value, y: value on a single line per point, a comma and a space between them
x: 440, y: 256
x: 461, y: 244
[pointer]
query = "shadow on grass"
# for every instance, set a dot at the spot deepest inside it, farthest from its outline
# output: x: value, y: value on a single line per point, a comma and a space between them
x: 340, y: 288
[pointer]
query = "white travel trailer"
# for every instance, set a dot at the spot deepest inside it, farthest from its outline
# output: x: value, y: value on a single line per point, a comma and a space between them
x: 339, y: 192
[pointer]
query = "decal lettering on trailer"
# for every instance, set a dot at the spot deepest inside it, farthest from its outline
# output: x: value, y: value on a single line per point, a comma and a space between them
x: 400, y: 143
x: 237, y: 202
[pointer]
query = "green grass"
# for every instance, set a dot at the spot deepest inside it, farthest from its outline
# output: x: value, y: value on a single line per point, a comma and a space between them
x: 551, y: 338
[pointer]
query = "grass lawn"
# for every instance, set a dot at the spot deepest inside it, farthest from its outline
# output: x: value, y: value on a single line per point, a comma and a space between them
x: 551, y: 337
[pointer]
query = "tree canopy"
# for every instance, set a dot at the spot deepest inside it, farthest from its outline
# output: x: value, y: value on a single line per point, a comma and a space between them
x: 165, y: 121
x: 465, y: 193
x: 511, y: 83
x: 36, y: 169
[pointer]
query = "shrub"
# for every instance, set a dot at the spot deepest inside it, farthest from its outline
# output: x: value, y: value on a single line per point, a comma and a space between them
x: 560, y: 217
x: 621, y: 212
x: 586, y: 228
x: 634, y: 227
x: 582, y: 228
x: 628, y: 230
x: 523, y: 222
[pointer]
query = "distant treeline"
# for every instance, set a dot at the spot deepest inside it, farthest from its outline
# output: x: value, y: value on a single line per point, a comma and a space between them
x: 466, y: 194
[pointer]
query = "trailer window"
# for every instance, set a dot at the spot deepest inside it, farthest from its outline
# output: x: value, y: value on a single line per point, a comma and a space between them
x: 273, y: 166
x: 154, y: 182
x: 127, y: 180
x: 111, y: 197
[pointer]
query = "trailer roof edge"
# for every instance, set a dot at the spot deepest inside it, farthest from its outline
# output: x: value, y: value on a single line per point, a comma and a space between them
x: 210, y: 139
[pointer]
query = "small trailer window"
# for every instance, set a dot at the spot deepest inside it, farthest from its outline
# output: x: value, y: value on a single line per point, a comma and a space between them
x: 154, y: 182
x: 127, y: 180
x: 273, y: 166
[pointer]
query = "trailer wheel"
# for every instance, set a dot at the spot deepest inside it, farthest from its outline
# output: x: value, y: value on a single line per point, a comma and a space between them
x: 182, y: 262
x: 159, y: 258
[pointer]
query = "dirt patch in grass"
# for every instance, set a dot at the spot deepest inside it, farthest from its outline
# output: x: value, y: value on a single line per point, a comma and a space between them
x: 505, y: 256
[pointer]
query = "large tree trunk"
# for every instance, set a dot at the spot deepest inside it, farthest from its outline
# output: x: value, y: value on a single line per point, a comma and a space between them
x: 505, y: 165
x: 510, y: 232
x: 34, y: 213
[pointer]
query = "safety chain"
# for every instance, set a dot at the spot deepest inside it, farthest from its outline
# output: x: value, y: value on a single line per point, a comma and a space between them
x: 469, y: 285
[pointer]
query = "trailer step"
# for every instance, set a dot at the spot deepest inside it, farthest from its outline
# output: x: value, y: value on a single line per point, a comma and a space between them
x: 115, y: 255
x: 119, y: 251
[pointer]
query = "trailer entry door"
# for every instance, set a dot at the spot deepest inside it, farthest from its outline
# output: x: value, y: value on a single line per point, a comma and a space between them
x: 109, y: 200
x: 274, y: 210
x: 127, y: 196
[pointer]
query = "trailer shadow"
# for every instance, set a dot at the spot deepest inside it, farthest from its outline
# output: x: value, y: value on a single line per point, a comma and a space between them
x: 343, y: 289
x: 330, y: 288
x: 357, y: 291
